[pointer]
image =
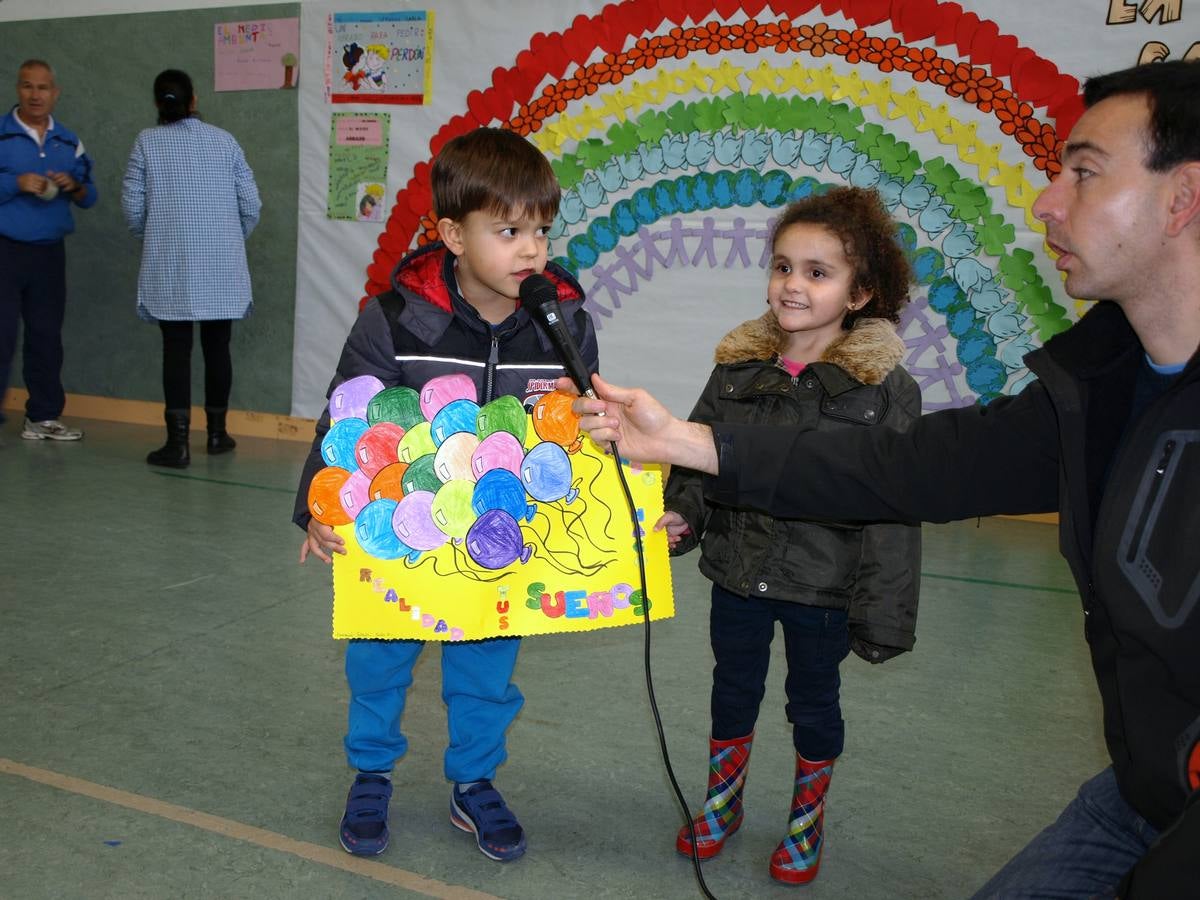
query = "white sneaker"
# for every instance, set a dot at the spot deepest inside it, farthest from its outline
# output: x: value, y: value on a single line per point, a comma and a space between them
x: 50, y: 430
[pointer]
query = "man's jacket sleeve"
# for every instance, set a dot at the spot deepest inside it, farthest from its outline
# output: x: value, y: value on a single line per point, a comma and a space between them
x: 954, y: 464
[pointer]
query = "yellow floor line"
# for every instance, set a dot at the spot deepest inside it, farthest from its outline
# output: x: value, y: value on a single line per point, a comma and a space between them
x: 328, y: 856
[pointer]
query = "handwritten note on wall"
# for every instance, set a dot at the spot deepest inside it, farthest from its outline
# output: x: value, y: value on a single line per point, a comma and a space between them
x: 358, y: 161
x: 261, y: 55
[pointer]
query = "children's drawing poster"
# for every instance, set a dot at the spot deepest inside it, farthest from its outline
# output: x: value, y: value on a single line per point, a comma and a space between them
x: 358, y: 162
x: 383, y: 57
x: 464, y: 521
x: 256, y: 56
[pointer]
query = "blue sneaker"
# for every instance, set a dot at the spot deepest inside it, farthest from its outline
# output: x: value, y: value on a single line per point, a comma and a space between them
x: 364, y: 827
x: 482, y: 811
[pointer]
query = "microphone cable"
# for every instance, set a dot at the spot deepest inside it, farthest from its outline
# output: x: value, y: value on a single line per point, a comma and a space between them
x: 662, y: 738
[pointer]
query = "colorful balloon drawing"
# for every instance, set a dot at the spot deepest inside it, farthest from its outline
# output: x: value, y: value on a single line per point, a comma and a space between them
x: 421, y: 476
x: 350, y: 398
x: 373, y: 529
x: 417, y: 441
x: 337, y: 447
x: 554, y: 420
x: 499, y: 450
x: 414, y: 525
x: 424, y: 467
x: 324, y: 501
x: 456, y: 417
x: 378, y: 447
x: 446, y: 389
x: 504, y: 414
x: 546, y: 473
x: 355, y: 493
x: 501, y: 489
x: 451, y: 509
x: 454, y: 456
x: 495, y: 541
x: 400, y: 405
x: 389, y: 482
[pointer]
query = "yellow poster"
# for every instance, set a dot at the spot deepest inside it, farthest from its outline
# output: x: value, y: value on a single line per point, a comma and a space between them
x: 464, y: 522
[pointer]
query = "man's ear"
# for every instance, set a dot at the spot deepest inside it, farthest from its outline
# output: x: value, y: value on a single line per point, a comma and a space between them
x: 1185, y: 198
x: 450, y: 232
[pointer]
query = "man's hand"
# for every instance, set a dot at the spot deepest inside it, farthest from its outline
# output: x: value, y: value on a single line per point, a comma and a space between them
x: 65, y: 182
x: 31, y: 183
x: 321, y: 541
x: 68, y: 185
x: 645, y: 431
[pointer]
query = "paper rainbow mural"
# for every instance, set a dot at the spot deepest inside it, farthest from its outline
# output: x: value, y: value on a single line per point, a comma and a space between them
x: 656, y: 110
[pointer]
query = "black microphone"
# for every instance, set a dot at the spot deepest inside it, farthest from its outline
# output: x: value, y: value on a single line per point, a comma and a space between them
x: 539, y: 297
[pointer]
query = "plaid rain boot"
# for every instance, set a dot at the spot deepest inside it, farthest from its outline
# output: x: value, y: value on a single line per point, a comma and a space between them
x: 798, y: 857
x: 728, y: 762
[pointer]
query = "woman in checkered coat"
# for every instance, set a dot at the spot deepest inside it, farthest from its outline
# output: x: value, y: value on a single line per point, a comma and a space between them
x: 189, y: 194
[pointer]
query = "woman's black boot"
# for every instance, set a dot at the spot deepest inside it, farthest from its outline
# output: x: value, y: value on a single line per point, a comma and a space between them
x: 219, y: 440
x: 174, y: 453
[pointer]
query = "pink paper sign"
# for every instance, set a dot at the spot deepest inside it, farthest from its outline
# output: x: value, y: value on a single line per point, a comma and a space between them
x: 260, y: 55
x: 361, y: 132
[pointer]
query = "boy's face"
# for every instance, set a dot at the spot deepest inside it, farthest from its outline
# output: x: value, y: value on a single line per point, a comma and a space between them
x: 496, y: 252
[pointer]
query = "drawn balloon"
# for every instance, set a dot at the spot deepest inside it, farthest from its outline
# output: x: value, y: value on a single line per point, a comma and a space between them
x: 546, y: 473
x: 414, y: 525
x: 349, y: 400
x: 445, y: 389
x: 374, y: 531
x: 499, y: 450
x: 504, y: 414
x: 495, y: 541
x: 501, y: 489
x: 337, y: 447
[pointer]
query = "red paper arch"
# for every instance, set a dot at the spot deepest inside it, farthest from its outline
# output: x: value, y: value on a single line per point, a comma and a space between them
x: 1034, y: 80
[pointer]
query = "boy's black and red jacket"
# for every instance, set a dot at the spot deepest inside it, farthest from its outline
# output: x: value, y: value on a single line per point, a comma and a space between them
x: 1129, y: 511
x: 424, y: 328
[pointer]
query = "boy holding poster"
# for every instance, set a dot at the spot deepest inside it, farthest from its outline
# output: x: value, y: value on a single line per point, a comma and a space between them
x: 453, y: 309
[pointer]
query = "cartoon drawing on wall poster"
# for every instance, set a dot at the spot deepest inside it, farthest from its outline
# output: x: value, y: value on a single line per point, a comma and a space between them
x: 385, y: 57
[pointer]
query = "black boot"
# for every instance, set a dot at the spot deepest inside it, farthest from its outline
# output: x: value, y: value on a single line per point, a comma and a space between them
x: 174, y: 453
x: 219, y: 440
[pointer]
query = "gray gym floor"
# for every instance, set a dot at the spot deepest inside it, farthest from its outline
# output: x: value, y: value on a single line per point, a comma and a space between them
x: 173, y: 705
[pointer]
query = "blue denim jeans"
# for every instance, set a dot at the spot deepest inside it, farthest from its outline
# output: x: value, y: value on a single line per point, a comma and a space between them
x: 1084, y: 854
x: 815, y: 639
x: 481, y: 702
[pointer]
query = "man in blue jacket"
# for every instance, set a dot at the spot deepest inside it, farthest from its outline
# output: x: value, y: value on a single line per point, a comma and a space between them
x: 43, y: 170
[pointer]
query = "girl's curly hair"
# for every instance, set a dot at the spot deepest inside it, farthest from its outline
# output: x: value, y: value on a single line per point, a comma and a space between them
x: 868, y: 235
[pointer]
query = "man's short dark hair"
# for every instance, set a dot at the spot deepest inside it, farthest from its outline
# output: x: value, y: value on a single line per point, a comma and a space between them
x: 1172, y: 90
x: 496, y: 171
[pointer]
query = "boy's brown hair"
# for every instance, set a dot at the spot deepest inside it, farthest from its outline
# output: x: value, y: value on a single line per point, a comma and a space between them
x: 868, y: 235
x: 495, y: 171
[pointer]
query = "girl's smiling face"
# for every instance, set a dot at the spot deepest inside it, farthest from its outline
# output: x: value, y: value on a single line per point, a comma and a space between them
x: 811, y: 284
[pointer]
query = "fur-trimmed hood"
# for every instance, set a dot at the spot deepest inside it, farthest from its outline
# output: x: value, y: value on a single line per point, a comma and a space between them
x: 868, y: 352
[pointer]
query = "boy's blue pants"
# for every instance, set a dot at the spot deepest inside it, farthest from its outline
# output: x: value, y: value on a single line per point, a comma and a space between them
x: 481, y: 702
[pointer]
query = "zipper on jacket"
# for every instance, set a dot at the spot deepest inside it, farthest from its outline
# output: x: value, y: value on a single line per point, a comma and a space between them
x: 1135, y: 545
x: 489, y: 378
